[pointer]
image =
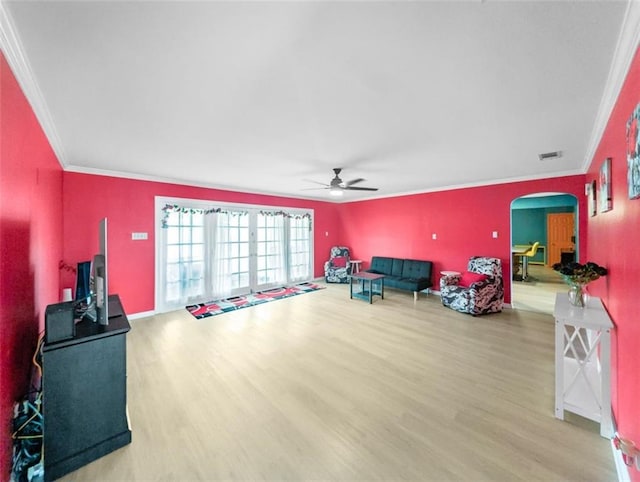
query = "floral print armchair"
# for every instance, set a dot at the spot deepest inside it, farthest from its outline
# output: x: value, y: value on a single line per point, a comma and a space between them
x: 338, y: 268
x: 478, y: 291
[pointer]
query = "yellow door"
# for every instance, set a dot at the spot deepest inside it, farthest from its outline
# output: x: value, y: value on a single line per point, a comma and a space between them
x: 560, y: 233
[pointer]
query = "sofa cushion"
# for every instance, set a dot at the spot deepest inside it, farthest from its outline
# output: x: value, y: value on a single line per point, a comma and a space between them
x: 416, y: 269
x: 410, y: 284
x: 340, y: 262
x: 396, y: 267
x: 468, y: 278
x: 381, y: 265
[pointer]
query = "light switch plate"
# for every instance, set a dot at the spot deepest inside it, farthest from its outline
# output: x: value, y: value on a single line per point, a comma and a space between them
x: 139, y: 236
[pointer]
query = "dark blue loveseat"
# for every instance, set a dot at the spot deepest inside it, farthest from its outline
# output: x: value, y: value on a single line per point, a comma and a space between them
x: 403, y: 274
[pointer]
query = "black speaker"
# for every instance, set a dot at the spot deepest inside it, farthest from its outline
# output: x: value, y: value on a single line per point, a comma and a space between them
x: 59, y: 323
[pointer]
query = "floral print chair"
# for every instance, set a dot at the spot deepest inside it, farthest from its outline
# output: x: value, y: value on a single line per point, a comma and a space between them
x: 338, y: 268
x: 478, y: 291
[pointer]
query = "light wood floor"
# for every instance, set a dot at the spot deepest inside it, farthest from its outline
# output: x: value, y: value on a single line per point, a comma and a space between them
x: 322, y: 387
x: 538, y: 293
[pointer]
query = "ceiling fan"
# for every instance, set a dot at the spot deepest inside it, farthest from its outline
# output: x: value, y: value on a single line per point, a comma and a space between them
x: 337, y: 185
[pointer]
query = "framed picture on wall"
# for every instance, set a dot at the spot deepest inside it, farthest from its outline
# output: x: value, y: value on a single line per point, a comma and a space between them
x: 633, y: 154
x: 606, y: 203
x: 591, y: 198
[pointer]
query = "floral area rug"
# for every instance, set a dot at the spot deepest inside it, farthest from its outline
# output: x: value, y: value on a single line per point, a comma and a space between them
x: 212, y: 308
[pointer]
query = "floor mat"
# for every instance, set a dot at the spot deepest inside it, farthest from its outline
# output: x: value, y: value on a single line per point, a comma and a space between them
x: 212, y: 308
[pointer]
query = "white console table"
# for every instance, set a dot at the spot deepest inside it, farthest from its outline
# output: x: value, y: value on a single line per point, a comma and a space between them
x: 583, y: 361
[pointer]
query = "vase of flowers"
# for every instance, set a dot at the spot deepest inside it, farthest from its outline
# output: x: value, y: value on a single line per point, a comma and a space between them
x: 578, y: 276
x: 578, y: 295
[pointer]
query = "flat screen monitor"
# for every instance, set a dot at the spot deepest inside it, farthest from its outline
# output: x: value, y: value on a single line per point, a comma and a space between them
x: 83, y: 281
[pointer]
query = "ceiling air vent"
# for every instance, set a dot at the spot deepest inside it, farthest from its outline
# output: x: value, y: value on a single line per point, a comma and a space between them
x: 550, y: 155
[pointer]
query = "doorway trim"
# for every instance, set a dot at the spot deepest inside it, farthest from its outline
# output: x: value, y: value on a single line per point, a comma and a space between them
x: 511, y: 227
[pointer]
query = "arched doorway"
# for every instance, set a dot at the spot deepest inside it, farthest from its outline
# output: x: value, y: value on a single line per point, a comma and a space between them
x: 551, y: 219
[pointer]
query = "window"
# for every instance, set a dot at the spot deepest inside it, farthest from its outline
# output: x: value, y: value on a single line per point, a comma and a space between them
x: 271, y: 248
x: 206, y: 251
x: 299, y: 253
x: 184, y: 256
x: 231, y: 256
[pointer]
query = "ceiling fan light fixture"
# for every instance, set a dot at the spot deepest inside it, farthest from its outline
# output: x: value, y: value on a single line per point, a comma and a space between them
x: 335, y: 191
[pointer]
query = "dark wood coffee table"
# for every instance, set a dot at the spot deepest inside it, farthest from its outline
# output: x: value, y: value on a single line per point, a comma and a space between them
x: 371, y: 284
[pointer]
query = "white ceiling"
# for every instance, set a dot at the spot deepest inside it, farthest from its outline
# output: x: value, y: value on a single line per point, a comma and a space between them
x: 269, y: 96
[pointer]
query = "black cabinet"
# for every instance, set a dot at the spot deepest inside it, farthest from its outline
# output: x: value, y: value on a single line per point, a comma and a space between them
x: 85, y: 394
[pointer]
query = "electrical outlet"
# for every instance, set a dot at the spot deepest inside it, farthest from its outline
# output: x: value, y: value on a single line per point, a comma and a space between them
x: 139, y: 236
x: 495, y: 234
x: 434, y: 236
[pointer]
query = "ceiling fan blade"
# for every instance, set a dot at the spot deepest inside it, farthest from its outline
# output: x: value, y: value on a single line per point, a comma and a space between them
x: 316, y: 182
x: 351, y: 188
x: 354, y: 181
x: 338, y: 184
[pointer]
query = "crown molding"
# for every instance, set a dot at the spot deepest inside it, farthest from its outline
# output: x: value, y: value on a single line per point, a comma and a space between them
x: 14, y: 53
x: 626, y: 46
x: 470, y: 185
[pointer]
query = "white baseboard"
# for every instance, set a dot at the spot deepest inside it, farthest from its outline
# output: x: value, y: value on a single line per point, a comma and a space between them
x: 142, y: 314
x: 621, y: 467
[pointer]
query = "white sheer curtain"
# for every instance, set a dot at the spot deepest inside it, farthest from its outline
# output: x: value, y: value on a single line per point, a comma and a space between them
x: 219, y: 255
x: 280, y: 252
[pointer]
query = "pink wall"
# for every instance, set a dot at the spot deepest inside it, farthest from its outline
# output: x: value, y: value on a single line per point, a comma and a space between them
x: 30, y: 244
x: 614, y: 238
x: 129, y: 206
x: 462, y: 219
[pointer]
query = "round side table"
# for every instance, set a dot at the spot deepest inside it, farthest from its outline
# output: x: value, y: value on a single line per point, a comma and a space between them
x: 449, y: 273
